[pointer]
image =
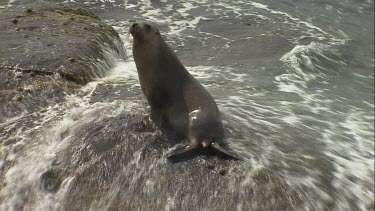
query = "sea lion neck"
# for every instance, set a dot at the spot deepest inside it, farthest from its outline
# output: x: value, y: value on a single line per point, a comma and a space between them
x: 143, y: 47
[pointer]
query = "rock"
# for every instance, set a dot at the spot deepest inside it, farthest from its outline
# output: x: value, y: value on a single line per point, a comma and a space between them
x: 51, y: 180
x: 18, y: 97
x: 210, y: 166
x: 65, y: 48
x: 222, y: 171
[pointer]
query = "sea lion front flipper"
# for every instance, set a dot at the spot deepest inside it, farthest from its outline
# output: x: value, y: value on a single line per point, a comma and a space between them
x: 186, y: 153
x: 220, y: 150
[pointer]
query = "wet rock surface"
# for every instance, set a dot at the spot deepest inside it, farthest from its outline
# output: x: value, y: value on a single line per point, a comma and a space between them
x: 116, y: 166
x: 49, y: 50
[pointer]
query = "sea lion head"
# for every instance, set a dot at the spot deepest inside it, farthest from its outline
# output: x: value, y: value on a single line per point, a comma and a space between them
x: 144, y: 31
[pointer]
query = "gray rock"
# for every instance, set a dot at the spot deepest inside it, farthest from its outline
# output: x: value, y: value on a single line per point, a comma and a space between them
x: 53, y: 48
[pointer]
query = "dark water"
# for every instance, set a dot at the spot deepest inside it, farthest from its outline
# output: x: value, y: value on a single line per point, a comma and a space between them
x: 294, y: 81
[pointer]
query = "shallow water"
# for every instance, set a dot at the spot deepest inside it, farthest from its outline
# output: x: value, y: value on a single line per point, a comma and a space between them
x: 293, y: 80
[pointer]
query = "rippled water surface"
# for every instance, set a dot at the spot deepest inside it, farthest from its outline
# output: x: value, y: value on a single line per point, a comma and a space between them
x: 294, y: 82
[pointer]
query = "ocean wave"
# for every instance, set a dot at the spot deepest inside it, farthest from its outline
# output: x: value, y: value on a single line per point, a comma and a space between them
x: 313, y: 62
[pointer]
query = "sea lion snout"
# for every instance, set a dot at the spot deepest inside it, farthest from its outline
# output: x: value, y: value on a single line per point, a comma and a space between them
x: 143, y: 30
x: 134, y: 29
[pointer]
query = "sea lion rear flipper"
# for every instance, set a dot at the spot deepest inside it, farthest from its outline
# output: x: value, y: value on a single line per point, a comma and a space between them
x: 186, y: 153
x: 220, y: 150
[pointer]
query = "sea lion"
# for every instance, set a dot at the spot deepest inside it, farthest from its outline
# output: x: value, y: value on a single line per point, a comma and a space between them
x: 177, y: 99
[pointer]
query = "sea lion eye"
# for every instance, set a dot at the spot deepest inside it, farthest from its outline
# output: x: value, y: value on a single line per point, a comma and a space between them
x: 148, y: 27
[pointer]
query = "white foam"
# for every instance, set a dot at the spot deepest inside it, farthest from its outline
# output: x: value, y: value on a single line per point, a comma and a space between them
x: 350, y: 145
x: 123, y: 72
x: 309, y: 25
x: 170, y: 204
x: 53, y: 133
x: 291, y: 120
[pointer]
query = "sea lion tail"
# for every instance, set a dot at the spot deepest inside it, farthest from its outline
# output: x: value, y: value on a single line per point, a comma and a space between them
x: 220, y: 151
